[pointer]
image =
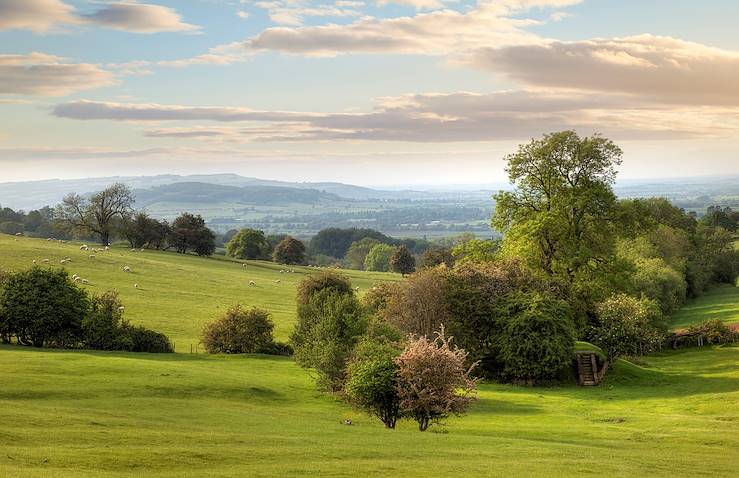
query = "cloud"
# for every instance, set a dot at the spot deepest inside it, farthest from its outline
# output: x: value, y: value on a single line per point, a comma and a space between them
x: 37, y: 15
x: 292, y: 12
x: 48, y: 75
x: 140, y: 18
x: 440, y: 32
x: 417, y: 4
x: 42, y: 16
x: 242, y: 14
x: 426, y: 118
x: 659, y: 69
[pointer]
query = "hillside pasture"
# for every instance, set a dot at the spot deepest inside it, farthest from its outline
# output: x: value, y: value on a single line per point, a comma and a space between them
x: 720, y: 303
x: 177, y: 294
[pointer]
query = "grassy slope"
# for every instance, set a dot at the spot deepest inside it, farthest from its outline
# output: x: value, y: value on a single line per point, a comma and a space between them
x: 66, y: 413
x: 718, y: 303
x: 177, y: 293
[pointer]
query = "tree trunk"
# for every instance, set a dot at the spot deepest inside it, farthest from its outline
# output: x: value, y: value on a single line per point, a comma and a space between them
x: 105, y: 237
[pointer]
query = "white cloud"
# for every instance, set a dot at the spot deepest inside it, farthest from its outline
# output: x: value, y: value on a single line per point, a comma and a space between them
x: 417, y: 4
x: 292, y: 12
x: 660, y: 69
x: 242, y: 14
x: 48, y: 75
x: 37, y: 15
x: 45, y: 15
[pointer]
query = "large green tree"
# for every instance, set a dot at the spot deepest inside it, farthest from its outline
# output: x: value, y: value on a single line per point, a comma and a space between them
x: 248, y: 244
x: 100, y: 213
x: 561, y: 215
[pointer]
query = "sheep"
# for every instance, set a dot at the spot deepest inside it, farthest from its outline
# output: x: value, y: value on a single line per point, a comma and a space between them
x: 85, y: 281
x: 252, y: 283
x: 277, y: 281
x: 107, y: 248
x: 76, y: 278
x: 92, y: 256
x: 63, y: 261
x: 126, y: 269
x: 356, y: 289
x: 45, y: 261
x: 34, y: 261
x: 18, y: 233
x: 121, y: 309
x: 135, y: 286
x: 282, y: 271
x: 83, y: 247
x: 243, y: 265
x: 48, y: 238
x: 142, y: 249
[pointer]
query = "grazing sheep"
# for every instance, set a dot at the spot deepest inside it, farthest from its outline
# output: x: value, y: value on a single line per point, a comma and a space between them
x: 356, y: 289
x: 107, y: 248
x: 282, y: 272
x: 48, y: 238
x: 34, y: 261
x: 243, y: 265
x: 142, y: 249
x: 85, y: 281
x: 121, y: 309
x: 63, y: 261
x: 45, y: 261
x: 76, y: 278
x: 135, y: 286
x: 18, y: 233
x: 126, y: 269
x: 83, y: 247
x: 277, y: 281
x: 252, y: 283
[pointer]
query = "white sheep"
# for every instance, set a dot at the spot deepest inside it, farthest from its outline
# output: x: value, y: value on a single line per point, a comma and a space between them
x: 83, y: 247
x: 282, y: 271
x: 85, y: 281
x: 243, y: 265
x: 45, y: 261
x: 92, y: 256
x: 34, y: 261
x: 277, y: 281
x: 74, y: 276
x: 356, y: 289
x: 135, y: 286
x: 252, y: 283
x: 126, y: 269
x: 77, y: 278
x: 121, y: 309
x: 18, y: 233
x: 63, y: 261
x: 107, y: 248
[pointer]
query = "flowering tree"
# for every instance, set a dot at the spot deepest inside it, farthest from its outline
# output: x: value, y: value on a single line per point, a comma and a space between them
x: 433, y: 381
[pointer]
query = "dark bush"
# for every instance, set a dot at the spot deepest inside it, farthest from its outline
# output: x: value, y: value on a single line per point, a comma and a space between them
x: 42, y: 307
x: 140, y: 339
x: 103, y: 325
x: 538, y: 339
x: 240, y: 331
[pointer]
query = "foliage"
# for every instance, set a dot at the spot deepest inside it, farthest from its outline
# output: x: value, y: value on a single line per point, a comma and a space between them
x: 715, y: 331
x: 42, y: 307
x: 289, y: 251
x: 248, y: 244
x: 99, y: 213
x: 190, y: 233
x: 538, y: 339
x: 627, y: 326
x: 336, y: 242
x: 140, y: 339
x: 378, y: 258
x: 372, y: 380
x: 418, y: 306
x: 376, y: 299
x: 328, y: 327
x: 437, y: 256
x: 434, y: 381
x: 358, y: 251
x: 476, y: 250
x: 102, y: 327
x: 655, y: 279
x: 724, y: 217
x: 402, y: 261
x: 142, y: 230
x: 315, y: 283
x: 240, y: 331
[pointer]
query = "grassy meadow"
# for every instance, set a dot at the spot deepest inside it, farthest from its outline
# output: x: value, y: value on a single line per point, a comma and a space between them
x: 111, y: 414
x: 177, y: 293
x: 719, y: 303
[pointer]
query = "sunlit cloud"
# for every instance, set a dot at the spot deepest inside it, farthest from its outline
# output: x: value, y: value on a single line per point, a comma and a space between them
x: 48, y: 75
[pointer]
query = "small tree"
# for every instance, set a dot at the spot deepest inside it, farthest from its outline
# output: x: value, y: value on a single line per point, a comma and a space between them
x: 358, y: 251
x: 248, y: 244
x: 99, y: 213
x: 43, y: 307
x: 240, y: 331
x: 328, y: 327
x: 318, y: 282
x: 378, y: 258
x: 437, y: 256
x: 102, y: 326
x: 372, y: 380
x: 433, y: 380
x: 289, y: 251
x: 402, y: 261
x: 189, y: 232
x: 626, y: 326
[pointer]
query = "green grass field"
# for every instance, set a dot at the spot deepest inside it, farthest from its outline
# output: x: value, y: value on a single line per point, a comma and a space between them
x: 719, y: 303
x: 80, y: 413
x: 177, y: 293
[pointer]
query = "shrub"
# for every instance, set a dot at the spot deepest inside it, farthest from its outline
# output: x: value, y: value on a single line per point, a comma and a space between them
x: 419, y: 306
x: 376, y: 299
x: 102, y: 326
x: 318, y: 282
x: 372, y: 380
x: 378, y: 258
x: 538, y: 339
x: 240, y: 331
x: 328, y: 327
x: 140, y: 339
x: 626, y: 326
x: 433, y: 380
x: 715, y: 331
x: 43, y: 307
x: 437, y: 256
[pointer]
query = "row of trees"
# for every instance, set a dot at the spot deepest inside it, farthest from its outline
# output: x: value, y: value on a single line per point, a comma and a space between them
x: 44, y: 308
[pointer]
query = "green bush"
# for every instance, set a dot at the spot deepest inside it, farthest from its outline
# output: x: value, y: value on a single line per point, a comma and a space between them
x: 42, y: 307
x: 328, y: 327
x: 140, y: 339
x: 102, y: 326
x: 372, y: 380
x: 240, y: 331
x: 318, y: 282
x: 714, y: 331
x: 537, y: 340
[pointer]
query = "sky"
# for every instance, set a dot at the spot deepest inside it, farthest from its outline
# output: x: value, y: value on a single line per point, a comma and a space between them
x: 370, y: 92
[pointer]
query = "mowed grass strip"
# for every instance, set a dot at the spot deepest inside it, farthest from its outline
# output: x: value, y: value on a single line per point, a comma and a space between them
x: 73, y: 413
x: 177, y: 294
x: 721, y: 303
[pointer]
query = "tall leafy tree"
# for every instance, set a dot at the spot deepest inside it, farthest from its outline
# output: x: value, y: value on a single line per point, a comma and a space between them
x: 189, y: 232
x: 248, y: 244
x: 289, y: 251
x: 402, y: 261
